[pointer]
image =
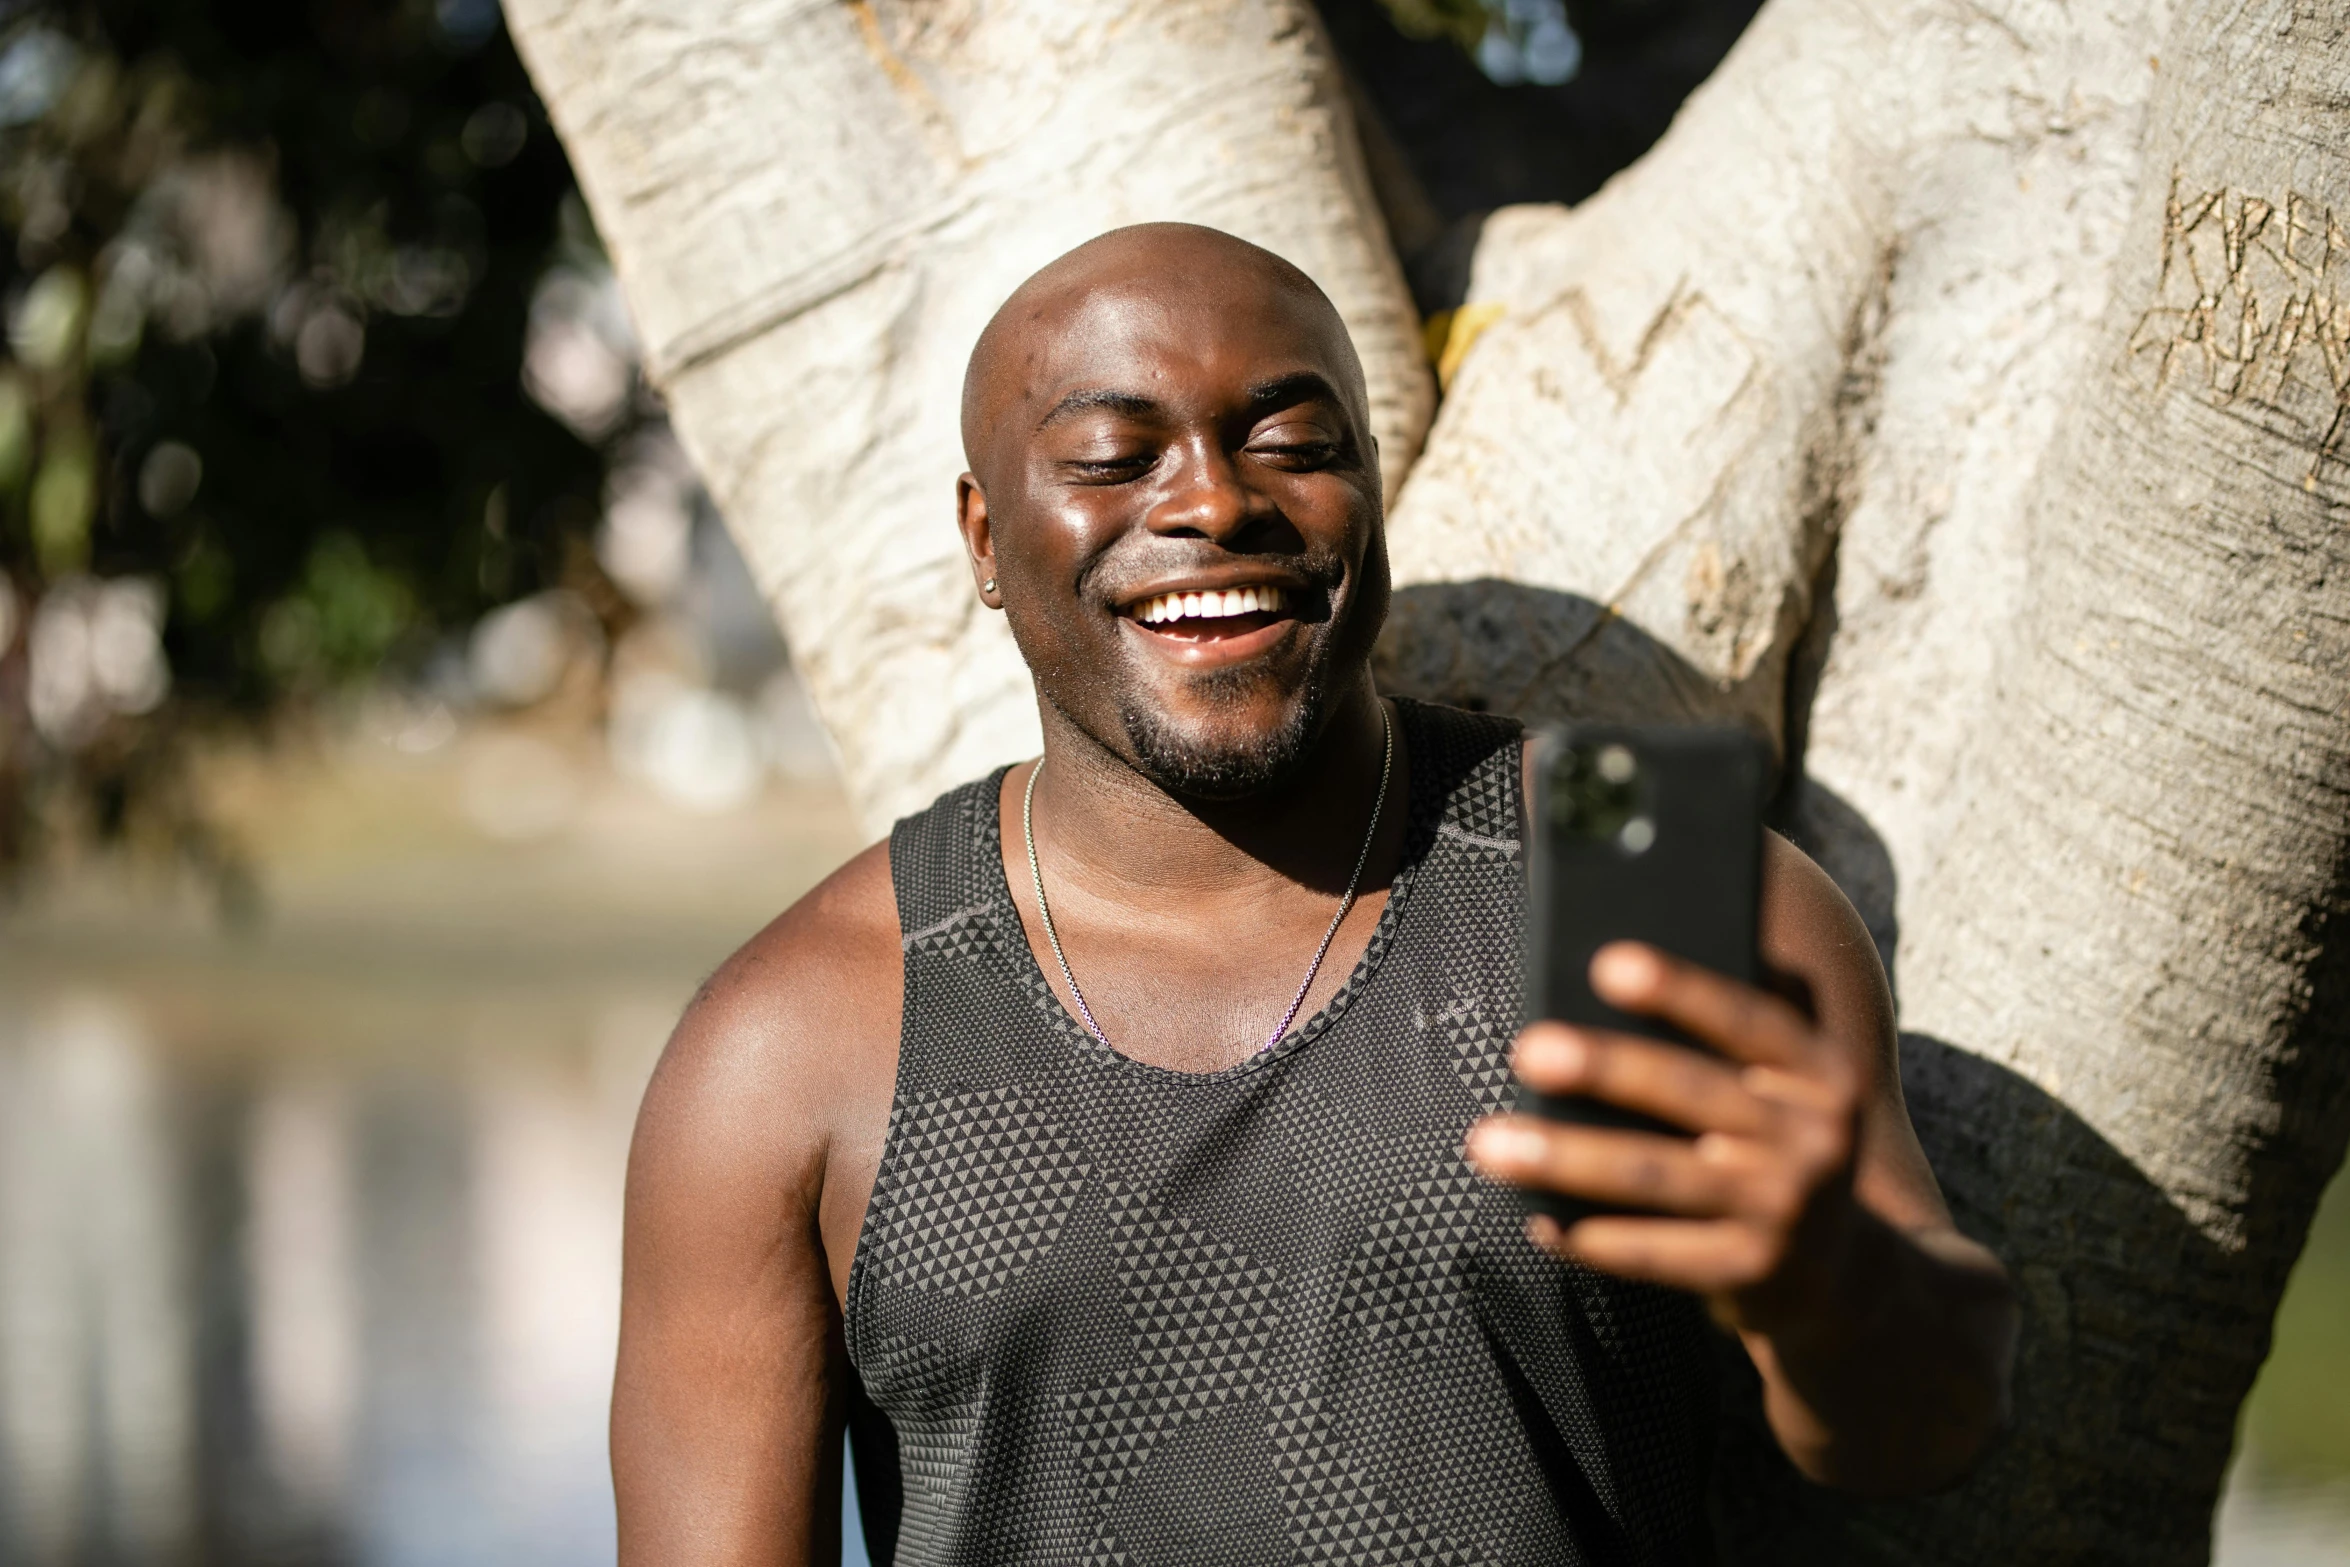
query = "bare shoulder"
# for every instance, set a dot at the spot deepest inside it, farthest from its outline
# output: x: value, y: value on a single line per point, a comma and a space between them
x: 779, y: 1057
x: 806, y: 984
x: 1817, y: 950
x: 1813, y: 937
x: 729, y: 1315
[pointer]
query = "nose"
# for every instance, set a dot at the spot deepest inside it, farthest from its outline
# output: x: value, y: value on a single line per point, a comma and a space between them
x: 1207, y: 497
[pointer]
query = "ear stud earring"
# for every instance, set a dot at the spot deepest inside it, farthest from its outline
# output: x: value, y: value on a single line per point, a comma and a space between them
x: 988, y: 586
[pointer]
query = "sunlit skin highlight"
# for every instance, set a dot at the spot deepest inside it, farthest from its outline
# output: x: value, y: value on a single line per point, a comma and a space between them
x: 1118, y: 452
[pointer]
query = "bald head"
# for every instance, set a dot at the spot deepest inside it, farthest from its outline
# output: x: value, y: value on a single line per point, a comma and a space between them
x: 1164, y: 422
x: 1179, y: 277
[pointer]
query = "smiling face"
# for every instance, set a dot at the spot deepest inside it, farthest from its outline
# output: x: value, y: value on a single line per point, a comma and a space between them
x: 1175, y: 492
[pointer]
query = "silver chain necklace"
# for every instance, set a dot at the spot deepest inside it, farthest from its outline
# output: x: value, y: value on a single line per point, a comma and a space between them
x: 1362, y: 855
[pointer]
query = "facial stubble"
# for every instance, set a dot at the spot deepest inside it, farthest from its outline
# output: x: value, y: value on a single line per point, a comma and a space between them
x: 1205, y: 760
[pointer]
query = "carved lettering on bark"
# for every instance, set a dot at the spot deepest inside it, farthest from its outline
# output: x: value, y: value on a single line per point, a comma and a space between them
x: 2251, y: 309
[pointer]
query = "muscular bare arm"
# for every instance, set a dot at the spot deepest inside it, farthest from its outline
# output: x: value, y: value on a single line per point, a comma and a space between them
x: 1803, y: 1208
x: 1887, y: 1371
x: 760, y: 1131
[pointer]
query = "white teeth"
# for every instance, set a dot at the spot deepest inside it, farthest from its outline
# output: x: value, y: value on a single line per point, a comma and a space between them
x: 1210, y: 605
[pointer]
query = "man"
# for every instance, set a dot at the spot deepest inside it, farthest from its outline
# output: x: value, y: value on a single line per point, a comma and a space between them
x: 1105, y: 1128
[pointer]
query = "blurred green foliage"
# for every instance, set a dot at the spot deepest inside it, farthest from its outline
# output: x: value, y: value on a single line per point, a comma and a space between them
x: 269, y: 275
x: 2297, y: 1421
x: 1463, y: 21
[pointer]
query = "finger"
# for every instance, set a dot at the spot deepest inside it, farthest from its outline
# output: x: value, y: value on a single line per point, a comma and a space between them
x: 1740, y: 1021
x: 1825, y: 1091
x: 1670, y: 1082
x: 1706, y: 1256
x: 1636, y: 1169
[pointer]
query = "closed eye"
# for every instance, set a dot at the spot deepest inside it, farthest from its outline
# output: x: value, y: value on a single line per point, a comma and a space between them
x: 1106, y: 470
x: 1297, y: 454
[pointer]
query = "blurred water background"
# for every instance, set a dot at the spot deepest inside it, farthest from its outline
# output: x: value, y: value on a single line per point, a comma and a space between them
x: 309, y: 1230
x: 391, y: 739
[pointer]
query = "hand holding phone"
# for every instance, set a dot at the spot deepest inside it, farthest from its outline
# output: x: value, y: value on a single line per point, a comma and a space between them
x: 1639, y: 834
x: 1680, y: 1125
x: 1643, y: 1126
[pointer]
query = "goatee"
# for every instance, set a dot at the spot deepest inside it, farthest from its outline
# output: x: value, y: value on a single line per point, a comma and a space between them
x: 1210, y: 767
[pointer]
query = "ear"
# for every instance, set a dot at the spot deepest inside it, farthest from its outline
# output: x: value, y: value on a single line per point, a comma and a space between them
x: 978, y: 539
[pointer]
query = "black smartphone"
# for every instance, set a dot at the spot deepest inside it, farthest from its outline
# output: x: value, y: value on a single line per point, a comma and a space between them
x: 1640, y: 833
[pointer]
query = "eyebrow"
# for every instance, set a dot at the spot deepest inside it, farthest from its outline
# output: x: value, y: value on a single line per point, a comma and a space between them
x: 1132, y: 404
x: 1297, y: 387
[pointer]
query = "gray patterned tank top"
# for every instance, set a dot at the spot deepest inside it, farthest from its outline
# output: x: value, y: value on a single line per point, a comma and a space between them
x: 1112, y: 1313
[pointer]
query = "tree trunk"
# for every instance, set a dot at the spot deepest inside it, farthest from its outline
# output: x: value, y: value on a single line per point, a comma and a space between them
x: 814, y: 207
x: 1960, y: 392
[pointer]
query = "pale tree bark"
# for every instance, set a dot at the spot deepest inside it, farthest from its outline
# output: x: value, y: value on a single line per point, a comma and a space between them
x: 1957, y: 392
x: 814, y: 206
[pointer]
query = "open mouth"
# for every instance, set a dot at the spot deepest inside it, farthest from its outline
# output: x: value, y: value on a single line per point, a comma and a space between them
x: 1212, y: 615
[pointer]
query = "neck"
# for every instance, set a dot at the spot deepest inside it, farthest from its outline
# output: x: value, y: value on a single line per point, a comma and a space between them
x: 1117, y: 834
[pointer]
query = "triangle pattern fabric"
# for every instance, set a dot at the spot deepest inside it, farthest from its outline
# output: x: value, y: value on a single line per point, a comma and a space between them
x: 1122, y: 1315
x: 1405, y: 1280
x: 1480, y: 1050
x: 1336, y: 1513
x: 1200, y: 1316
x: 992, y: 1184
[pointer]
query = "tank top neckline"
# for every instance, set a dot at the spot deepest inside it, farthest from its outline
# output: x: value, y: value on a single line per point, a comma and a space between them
x: 1418, y: 838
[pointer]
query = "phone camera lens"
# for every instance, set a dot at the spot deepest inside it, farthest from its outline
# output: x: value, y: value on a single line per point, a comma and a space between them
x: 1597, y: 797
